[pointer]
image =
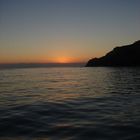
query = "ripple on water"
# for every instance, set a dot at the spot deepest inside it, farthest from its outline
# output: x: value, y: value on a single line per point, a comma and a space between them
x: 70, y: 104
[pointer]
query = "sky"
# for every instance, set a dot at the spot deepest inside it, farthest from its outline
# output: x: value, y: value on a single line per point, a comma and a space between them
x: 65, y: 31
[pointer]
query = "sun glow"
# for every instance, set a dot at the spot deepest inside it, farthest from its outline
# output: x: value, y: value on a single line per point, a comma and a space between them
x: 63, y: 60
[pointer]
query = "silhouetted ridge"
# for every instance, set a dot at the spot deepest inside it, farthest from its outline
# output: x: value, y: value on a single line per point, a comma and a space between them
x: 128, y: 55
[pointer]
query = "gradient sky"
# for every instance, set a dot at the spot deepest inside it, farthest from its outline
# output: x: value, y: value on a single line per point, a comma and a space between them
x: 65, y: 30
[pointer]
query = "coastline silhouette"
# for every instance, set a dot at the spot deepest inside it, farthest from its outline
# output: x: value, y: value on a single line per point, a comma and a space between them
x: 128, y: 55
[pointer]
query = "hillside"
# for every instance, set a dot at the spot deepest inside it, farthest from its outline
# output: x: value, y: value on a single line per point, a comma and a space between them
x: 128, y: 55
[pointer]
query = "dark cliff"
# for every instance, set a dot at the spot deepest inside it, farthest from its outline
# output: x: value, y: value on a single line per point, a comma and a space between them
x: 128, y: 55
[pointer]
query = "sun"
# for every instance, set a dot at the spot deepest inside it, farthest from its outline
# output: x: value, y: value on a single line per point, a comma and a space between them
x: 63, y: 60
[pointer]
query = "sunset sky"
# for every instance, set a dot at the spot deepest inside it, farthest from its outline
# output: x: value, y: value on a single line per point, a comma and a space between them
x: 65, y: 31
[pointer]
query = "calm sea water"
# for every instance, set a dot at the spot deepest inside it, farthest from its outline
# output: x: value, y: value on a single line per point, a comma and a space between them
x: 70, y: 104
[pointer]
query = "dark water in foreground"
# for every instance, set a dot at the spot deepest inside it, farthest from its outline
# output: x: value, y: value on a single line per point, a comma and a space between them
x: 70, y: 104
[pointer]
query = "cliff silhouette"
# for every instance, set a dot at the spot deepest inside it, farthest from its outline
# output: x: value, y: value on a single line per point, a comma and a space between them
x: 128, y: 55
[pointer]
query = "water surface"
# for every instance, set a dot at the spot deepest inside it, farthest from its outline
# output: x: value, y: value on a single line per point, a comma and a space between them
x: 70, y: 104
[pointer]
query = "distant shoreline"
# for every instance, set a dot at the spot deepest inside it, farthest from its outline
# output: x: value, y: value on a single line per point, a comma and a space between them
x: 39, y: 65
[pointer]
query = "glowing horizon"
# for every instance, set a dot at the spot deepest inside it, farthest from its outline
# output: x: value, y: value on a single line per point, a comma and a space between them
x: 57, y: 60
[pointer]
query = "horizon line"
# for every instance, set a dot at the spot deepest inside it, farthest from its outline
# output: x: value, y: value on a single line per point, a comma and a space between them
x: 39, y: 65
x: 14, y: 63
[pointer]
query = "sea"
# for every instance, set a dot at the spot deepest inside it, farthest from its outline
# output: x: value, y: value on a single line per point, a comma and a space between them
x: 70, y: 103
